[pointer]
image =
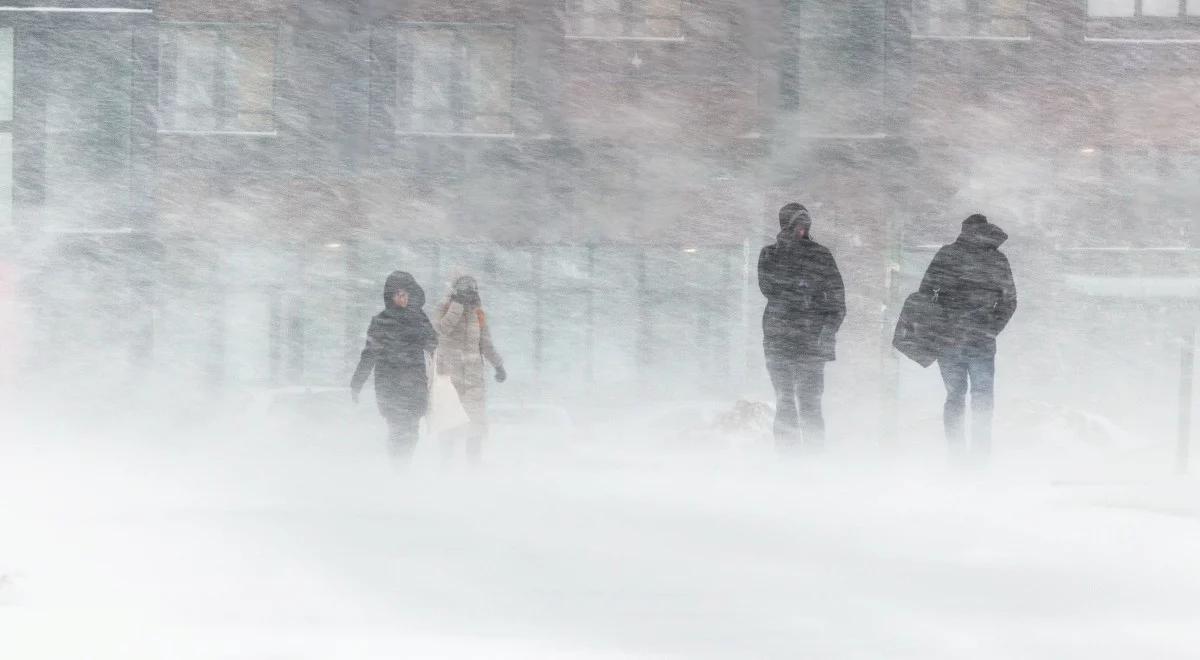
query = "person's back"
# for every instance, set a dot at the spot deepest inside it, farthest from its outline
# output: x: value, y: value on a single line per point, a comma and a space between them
x: 972, y: 282
x: 803, y: 288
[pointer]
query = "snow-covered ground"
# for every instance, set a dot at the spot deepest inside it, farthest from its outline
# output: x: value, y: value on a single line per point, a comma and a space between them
x: 235, y: 540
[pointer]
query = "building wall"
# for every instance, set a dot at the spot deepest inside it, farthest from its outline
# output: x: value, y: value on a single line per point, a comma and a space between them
x: 609, y: 155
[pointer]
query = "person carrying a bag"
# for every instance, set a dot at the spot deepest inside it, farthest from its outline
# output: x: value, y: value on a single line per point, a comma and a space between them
x: 465, y: 343
x: 398, y: 340
x: 972, y: 283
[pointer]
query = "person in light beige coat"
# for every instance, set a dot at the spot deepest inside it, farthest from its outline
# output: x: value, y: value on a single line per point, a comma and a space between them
x: 464, y: 344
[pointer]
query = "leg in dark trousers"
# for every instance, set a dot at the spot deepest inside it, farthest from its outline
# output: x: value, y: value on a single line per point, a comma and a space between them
x: 402, y: 436
x: 955, y: 376
x: 785, y: 380
x: 983, y: 377
x: 810, y: 389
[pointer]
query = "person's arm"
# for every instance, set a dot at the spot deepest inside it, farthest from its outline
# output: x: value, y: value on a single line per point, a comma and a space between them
x: 431, y: 336
x: 449, y: 316
x: 486, y: 346
x: 768, y: 283
x: 940, y: 275
x: 1008, y: 297
x: 835, y: 295
x: 366, y: 361
x: 488, y: 349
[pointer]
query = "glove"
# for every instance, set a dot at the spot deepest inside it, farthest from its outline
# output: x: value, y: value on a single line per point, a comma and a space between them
x: 468, y: 298
x: 501, y: 375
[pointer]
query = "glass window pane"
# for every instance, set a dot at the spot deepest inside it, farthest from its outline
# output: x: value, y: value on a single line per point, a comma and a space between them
x: 616, y: 268
x: 1008, y: 27
x: 945, y: 25
x: 194, y: 92
x: 565, y: 267
x: 565, y: 355
x: 435, y: 65
x: 87, y: 124
x: 512, y: 318
x: 660, y: 28
x: 514, y: 267
x: 1009, y: 7
x: 616, y: 334
x: 1160, y: 7
x: 596, y: 6
x: 252, y: 83
x: 595, y: 18
x: 1193, y: 7
x: 248, y: 337
x: 490, y: 79
x: 666, y: 269
x: 663, y: 8
x: 1105, y: 8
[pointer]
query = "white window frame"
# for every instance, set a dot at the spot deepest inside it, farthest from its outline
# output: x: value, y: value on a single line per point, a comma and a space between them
x: 974, y: 19
x: 625, y: 36
x: 1188, y: 9
x: 463, y: 30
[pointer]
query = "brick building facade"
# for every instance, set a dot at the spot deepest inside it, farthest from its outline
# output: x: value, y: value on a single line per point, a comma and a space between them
x: 238, y: 176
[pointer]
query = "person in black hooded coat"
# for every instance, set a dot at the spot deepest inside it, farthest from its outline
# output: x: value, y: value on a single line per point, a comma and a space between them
x: 972, y: 283
x: 398, y: 341
x: 806, y: 303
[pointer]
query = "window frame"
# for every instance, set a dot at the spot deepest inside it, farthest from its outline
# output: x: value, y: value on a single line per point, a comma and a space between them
x: 224, y: 67
x: 977, y: 17
x: 1150, y: 21
x: 460, y: 84
x: 629, y: 21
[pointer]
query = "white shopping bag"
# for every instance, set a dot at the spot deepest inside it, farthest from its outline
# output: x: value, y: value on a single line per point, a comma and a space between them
x: 446, y: 410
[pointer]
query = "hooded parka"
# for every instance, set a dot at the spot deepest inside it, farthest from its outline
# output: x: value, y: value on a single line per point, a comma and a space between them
x: 972, y: 282
x: 397, y: 341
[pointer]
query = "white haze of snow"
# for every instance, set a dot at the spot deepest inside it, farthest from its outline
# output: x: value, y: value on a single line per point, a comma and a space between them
x: 251, y: 536
x: 148, y: 511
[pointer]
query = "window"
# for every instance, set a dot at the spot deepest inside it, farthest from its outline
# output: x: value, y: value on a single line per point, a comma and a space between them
x: 835, y: 85
x: 625, y: 19
x: 88, y: 87
x: 1143, y: 8
x: 971, y: 18
x: 217, y: 78
x: 454, y: 80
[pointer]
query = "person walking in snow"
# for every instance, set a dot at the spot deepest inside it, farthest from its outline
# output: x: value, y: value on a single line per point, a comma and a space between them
x: 398, y: 341
x: 971, y: 281
x: 465, y: 342
x: 806, y: 303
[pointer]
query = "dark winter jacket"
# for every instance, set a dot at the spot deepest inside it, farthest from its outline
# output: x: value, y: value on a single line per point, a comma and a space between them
x: 972, y: 282
x: 806, y: 300
x: 397, y: 341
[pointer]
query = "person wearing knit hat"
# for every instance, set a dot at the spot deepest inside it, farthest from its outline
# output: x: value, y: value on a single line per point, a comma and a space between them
x: 399, y: 341
x: 806, y: 303
x: 466, y: 348
x: 972, y: 283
